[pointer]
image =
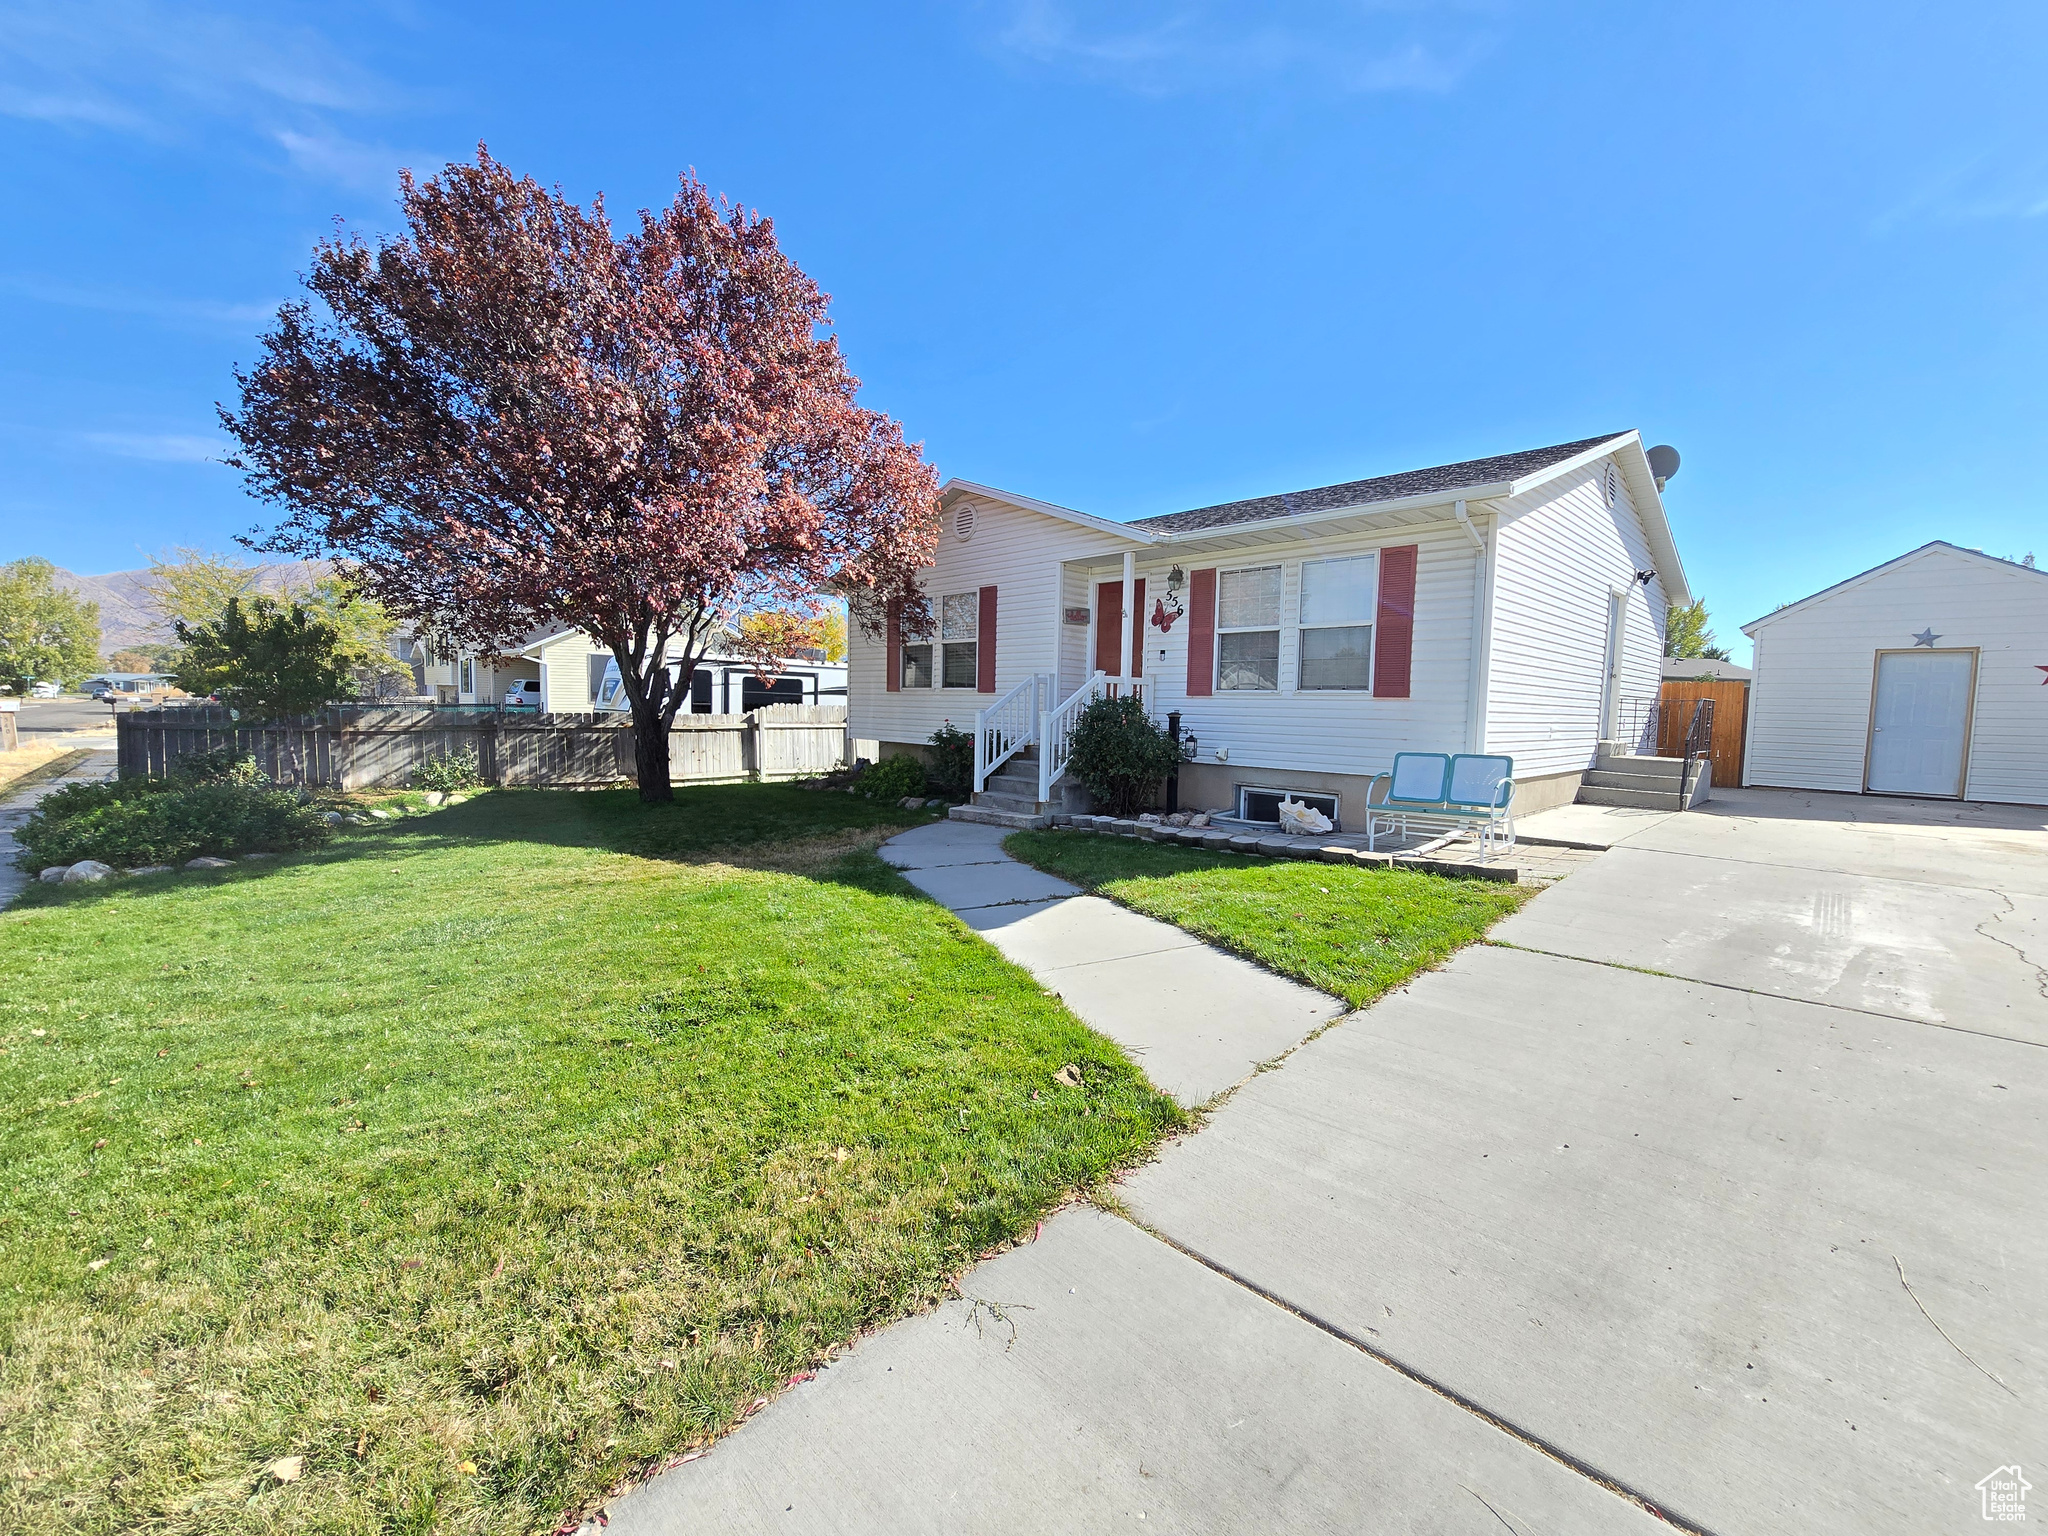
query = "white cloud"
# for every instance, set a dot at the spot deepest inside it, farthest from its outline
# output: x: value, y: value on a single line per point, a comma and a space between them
x: 118, y: 301
x: 137, y: 66
x: 1158, y: 47
x: 160, y: 447
x: 1978, y: 189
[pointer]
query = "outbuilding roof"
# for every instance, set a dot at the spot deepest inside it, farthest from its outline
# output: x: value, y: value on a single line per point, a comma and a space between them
x: 1933, y: 546
x: 1442, y: 480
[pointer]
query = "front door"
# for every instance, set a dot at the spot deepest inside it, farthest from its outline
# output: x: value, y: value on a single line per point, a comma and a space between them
x: 1610, y: 681
x: 1109, y: 635
x: 1920, y: 722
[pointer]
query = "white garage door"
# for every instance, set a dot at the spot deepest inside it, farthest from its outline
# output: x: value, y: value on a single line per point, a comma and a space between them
x: 1922, y: 722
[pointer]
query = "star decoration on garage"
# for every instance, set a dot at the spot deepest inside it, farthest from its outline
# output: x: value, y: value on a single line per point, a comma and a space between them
x: 2039, y: 668
x: 1926, y: 637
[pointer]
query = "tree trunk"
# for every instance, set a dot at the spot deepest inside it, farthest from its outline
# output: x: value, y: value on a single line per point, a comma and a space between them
x: 650, y: 754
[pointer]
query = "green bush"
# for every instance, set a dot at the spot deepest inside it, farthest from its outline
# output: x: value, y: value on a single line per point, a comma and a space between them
x: 223, y: 765
x: 450, y: 771
x: 1120, y: 755
x: 895, y: 778
x: 949, y: 766
x: 165, y: 821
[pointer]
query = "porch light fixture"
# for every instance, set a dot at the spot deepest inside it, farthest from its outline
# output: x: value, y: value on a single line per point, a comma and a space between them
x: 1176, y: 579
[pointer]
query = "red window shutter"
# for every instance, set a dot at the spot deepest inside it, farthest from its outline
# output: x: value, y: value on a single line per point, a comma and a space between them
x: 985, y: 644
x: 1201, y: 634
x: 1109, y: 644
x: 1393, y: 647
x: 1138, y: 627
x: 894, y: 658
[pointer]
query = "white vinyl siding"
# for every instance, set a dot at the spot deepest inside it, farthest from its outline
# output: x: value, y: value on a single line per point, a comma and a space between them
x: 1809, y: 725
x: 1561, y: 553
x: 1294, y: 729
x: 1019, y: 553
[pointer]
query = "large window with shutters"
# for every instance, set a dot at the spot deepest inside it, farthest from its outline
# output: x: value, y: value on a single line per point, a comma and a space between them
x: 1338, y: 601
x: 1248, y: 630
x: 959, y: 639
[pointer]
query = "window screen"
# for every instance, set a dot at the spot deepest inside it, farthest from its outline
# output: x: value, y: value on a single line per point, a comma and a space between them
x: 1338, y: 603
x: 1248, y: 629
x: 959, y: 625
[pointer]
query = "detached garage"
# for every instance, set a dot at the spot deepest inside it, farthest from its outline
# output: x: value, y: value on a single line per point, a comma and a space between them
x: 1924, y: 676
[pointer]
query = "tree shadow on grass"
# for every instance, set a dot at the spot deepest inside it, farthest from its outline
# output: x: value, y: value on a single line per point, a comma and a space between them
x: 818, y: 834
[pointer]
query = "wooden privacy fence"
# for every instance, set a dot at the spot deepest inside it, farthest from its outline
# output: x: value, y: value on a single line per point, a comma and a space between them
x: 371, y: 747
x: 1731, y: 720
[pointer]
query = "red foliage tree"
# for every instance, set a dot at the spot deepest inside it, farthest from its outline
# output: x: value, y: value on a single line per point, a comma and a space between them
x: 510, y: 418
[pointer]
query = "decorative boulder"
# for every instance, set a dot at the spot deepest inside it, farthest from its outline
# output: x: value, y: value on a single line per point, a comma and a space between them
x: 248, y: 856
x: 1199, y: 819
x: 53, y: 874
x: 85, y: 871
x: 153, y: 869
x: 207, y: 861
x: 454, y: 799
x: 434, y: 797
x: 913, y: 802
x: 380, y: 814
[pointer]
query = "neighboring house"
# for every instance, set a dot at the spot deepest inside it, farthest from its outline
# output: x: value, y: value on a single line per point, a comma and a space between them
x: 1704, y: 669
x: 138, y: 685
x: 1922, y: 676
x: 1510, y: 605
x: 577, y: 676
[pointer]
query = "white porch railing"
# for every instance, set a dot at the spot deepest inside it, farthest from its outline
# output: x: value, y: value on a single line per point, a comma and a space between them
x: 1009, y: 725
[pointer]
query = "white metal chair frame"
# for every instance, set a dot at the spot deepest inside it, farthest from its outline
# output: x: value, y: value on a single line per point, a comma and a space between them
x: 1443, y: 811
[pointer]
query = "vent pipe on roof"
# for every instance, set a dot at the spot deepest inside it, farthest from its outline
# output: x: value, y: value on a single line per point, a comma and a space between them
x: 1663, y: 464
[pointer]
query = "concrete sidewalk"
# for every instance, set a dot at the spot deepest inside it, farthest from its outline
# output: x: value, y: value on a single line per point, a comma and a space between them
x: 1196, y: 1019
x: 17, y: 808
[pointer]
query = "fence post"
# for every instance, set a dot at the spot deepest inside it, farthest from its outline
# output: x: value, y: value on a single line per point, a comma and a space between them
x: 753, y: 749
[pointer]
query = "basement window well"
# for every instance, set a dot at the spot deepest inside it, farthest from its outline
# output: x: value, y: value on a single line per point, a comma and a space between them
x: 1261, y: 807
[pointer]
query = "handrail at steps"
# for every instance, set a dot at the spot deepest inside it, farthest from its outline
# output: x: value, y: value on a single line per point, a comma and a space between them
x: 1056, y: 731
x: 1007, y: 726
x: 1699, y: 741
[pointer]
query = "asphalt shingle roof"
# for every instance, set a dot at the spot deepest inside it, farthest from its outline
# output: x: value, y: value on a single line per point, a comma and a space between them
x: 1444, y: 478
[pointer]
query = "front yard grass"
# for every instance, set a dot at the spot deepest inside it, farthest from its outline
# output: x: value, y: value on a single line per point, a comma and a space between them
x: 1354, y: 932
x: 482, y: 1159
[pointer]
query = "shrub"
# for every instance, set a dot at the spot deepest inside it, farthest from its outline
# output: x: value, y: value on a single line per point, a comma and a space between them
x: 1120, y: 755
x: 450, y: 771
x: 223, y: 765
x: 159, y: 821
x: 949, y: 767
x: 895, y: 778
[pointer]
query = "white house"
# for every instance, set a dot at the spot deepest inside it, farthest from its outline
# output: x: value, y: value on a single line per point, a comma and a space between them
x: 1509, y: 605
x: 1923, y: 676
x: 577, y: 676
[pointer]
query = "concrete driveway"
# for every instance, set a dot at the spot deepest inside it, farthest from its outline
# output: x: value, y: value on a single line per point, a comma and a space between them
x: 1666, y: 1225
x: 1710, y: 1193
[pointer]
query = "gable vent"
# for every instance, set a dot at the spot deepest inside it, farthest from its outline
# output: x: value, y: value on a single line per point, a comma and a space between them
x: 1610, y: 483
x: 963, y: 523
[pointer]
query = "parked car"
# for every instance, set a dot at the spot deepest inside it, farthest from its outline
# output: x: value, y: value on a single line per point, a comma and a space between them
x: 44, y: 691
x: 523, y: 694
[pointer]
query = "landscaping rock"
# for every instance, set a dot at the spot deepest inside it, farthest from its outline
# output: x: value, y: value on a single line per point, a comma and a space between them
x: 53, y: 874
x: 380, y: 814
x: 248, y: 856
x: 85, y: 871
x: 934, y: 804
x: 333, y: 818
x: 153, y: 869
x: 207, y: 861
x: 455, y: 800
x: 912, y: 802
x: 1198, y: 819
x: 434, y: 797
x: 357, y: 821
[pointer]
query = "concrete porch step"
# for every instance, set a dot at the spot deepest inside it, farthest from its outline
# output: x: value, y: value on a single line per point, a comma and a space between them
x: 993, y: 817
x: 1013, y: 784
x: 1617, y: 778
x: 1664, y: 799
x: 1666, y: 768
x: 995, y: 800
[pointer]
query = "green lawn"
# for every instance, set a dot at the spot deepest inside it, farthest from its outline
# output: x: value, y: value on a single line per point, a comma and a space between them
x: 483, y: 1159
x: 1353, y: 931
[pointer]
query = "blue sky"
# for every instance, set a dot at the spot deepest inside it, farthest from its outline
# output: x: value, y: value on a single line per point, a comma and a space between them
x: 1129, y: 258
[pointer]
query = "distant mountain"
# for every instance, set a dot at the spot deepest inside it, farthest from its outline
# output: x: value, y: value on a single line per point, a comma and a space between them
x: 126, y: 617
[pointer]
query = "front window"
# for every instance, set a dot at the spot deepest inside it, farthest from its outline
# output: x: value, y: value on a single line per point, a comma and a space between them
x: 917, y: 665
x: 1248, y: 630
x: 1339, y: 599
x: 959, y: 631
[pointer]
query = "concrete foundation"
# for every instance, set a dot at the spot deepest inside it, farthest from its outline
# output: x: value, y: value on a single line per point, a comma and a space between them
x: 1213, y: 787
